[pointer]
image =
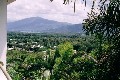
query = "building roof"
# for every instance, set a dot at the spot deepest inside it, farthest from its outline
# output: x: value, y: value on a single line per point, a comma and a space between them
x: 10, y: 1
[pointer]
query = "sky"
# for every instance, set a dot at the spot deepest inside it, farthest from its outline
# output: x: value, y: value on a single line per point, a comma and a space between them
x: 55, y: 10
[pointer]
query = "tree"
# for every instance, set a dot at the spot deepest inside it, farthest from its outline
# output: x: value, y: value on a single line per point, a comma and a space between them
x: 105, y: 25
x: 70, y: 66
x: 62, y: 62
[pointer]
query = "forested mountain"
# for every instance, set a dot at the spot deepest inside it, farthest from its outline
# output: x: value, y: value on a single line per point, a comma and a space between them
x: 37, y: 24
x: 75, y: 28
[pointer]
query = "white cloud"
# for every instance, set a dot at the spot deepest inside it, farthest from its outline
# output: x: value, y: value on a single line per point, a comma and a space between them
x: 50, y: 10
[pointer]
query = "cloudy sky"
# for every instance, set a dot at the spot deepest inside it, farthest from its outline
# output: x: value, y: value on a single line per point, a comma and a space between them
x: 49, y: 10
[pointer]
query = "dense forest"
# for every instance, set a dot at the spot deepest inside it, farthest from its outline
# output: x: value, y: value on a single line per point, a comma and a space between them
x: 33, y: 56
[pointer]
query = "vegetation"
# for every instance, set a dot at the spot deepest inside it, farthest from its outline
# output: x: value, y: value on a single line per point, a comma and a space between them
x: 30, y: 58
x: 96, y: 57
x: 105, y: 27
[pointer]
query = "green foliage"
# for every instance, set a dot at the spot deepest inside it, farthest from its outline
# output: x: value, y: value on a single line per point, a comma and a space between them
x: 61, y: 61
x: 65, y: 49
x: 72, y: 66
x: 105, y: 25
x: 24, y: 65
x: 32, y: 65
x: 96, y: 57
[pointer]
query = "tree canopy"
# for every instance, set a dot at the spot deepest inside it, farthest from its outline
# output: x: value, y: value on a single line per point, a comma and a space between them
x: 93, y: 57
x: 105, y: 25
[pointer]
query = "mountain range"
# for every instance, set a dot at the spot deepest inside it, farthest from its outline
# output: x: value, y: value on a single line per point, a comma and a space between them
x: 40, y: 25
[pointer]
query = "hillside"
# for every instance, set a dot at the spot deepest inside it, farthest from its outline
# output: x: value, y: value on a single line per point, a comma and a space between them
x: 37, y: 24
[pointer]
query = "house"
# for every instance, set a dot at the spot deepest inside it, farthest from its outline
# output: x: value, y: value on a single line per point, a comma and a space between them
x: 3, y: 33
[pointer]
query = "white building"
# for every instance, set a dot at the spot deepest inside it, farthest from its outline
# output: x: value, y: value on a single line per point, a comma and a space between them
x: 3, y: 33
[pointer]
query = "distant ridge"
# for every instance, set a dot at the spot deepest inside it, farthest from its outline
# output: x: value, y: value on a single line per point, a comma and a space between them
x: 37, y: 24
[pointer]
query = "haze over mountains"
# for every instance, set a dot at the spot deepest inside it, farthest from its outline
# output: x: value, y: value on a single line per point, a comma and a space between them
x: 40, y: 25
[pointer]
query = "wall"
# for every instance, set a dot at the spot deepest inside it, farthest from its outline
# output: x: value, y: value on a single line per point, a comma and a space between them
x: 3, y: 34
